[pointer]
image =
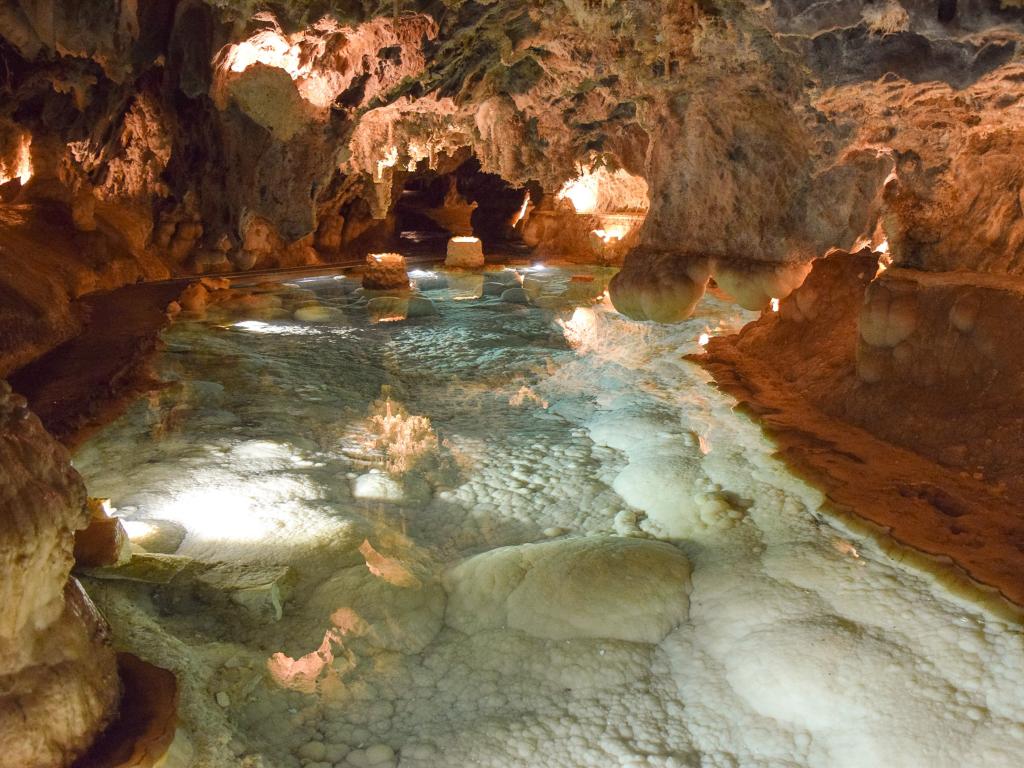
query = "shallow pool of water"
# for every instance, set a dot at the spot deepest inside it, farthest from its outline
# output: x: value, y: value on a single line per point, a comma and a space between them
x: 513, y: 535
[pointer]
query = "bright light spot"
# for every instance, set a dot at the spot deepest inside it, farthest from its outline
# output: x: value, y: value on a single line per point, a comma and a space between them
x: 582, y: 192
x: 258, y: 326
x: 22, y: 165
x: 703, y: 339
x: 137, y: 529
x: 883, y: 247
x: 219, y: 514
x: 601, y: 189
x: 422, y: 273
x: 269, y: 48
x: 389, y: 161
x: 580, y: 329
x: 775, y: 305
x: 465, y: 239
x: 253, y: 325
x: 522, y: 210
x: 614, y: 232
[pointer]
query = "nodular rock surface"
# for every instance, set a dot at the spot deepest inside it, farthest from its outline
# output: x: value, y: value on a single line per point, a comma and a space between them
x: 58, y: 678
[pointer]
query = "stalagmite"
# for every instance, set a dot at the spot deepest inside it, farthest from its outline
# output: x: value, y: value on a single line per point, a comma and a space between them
x: 465, y: 252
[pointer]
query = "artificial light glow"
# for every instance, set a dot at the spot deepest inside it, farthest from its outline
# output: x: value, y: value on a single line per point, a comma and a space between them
x: 220, y: 514
x: 421, y: 273
x: 252, y: 325
x: 465, y: 239
x: 521, y: 213
x: 703, y: 339
x: 270, y: 49
x: 775, y: 305
x: 389, y: 161
x: 580, y: 329
x: 884, y: 258
x: 137, y: 529
x: 582, y: 192
x: 23, y: 164
x: 614, y: 232
x: 258, y: 326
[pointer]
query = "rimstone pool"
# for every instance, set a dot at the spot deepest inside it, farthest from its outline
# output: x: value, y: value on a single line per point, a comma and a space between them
x: 490, y: 533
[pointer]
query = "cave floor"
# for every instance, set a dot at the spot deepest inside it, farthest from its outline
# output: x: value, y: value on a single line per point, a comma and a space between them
x: 309, y: 523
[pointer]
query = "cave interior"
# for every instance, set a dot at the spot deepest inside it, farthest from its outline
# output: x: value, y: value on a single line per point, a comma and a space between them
x: 527, y: 383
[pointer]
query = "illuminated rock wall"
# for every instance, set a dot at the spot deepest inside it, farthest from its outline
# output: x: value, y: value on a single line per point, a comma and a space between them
x: 58, y: 681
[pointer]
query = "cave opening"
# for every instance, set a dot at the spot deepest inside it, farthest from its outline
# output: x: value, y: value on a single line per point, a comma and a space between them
x: 433, y: 207
x: 511, y: 384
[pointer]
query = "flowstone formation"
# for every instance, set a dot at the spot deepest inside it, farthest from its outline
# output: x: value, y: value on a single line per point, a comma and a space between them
x: 58, y: 680
x: 617, y: 588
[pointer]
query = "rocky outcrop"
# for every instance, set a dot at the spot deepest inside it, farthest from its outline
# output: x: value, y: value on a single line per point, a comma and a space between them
x: 58, y: 679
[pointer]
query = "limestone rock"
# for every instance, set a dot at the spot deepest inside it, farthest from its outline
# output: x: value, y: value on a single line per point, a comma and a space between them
x: 58, y: 682
x: 592, y: 587
x: 465, y: 252
x: 385, y: 271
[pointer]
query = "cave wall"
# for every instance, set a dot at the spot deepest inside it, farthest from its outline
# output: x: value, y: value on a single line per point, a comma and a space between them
x: 178, y: 137
x: 58, y: 681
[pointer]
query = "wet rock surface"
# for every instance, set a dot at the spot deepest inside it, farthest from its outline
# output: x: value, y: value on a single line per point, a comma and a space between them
x: 58, y: 681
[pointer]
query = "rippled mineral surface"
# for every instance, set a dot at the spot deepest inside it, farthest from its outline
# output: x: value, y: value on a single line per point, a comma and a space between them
x: 512, y: 534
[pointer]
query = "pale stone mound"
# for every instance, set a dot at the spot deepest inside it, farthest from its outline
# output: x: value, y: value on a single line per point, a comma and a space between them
x: 58, y: 679
x: 659, y: 286
x: 754, y: 286
x: 318, y: 314
x: 595, y: 587
x: 465, y: 253
x: 385, y: 272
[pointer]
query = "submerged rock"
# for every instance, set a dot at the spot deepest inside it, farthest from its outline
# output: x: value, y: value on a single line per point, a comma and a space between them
x: 318, y: 314
x: 465, y: 253
x: 593, y: 587
x: 515, y: 296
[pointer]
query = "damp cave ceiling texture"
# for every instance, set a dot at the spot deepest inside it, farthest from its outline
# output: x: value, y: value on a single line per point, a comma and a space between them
x: 767, y: 132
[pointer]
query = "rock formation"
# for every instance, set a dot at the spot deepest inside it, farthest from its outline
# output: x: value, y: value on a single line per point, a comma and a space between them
x: 854, y: 164
x: 58, y: 679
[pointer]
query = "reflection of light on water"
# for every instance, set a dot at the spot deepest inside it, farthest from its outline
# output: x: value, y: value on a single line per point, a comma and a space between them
x: 422, y: 273
x: 137, y: 529
x: 220, y: 514
x: 258, y: 326
x: 579, y: 328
